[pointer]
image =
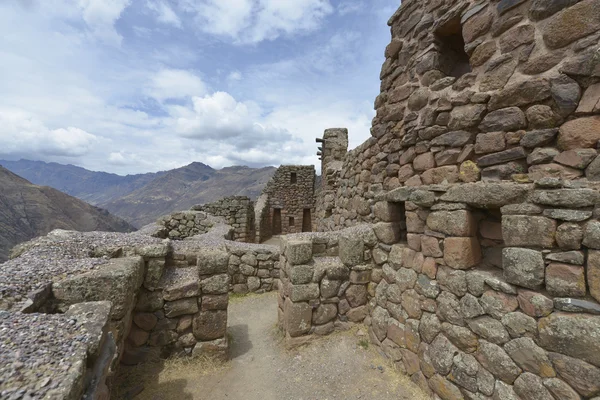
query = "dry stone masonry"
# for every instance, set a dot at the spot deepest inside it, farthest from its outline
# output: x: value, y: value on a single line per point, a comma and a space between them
x: 238, y: 212
x: 465, y: 233
x: 75, y: 305
x: 481, y: 184
x: 478, y: 90
x: 287, y: 202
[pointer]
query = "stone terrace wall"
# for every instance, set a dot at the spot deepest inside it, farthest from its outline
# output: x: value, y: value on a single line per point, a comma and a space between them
x: 320, y: 292
x: 94, y: 299
x: 494, y: 294
x: 185, y: 224
x: 290, y: 197
x: 238, y: 212
x: 527, y: 109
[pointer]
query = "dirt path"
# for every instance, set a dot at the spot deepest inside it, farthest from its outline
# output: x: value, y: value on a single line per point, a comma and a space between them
x: 336, y: 367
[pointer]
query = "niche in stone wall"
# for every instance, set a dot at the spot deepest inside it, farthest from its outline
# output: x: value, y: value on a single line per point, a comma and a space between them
x: 489, y: 234
x: 395, y: 213
x: 293, y: 178
x: 451, y: 44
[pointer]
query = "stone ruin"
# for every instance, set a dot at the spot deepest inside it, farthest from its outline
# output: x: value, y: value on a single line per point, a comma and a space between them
x: 465, y: 233
x: 75, y: 305
x: 287, y: 203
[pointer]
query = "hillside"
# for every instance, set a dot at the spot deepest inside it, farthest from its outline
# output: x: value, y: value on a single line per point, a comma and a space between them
x: 28, y: 210
x: 90, y: 186
x: 181, y: 188
x: 140, y: 199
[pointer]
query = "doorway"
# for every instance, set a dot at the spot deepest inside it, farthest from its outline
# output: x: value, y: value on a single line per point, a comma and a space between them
x: 306, y: 221
x: 277, y: 221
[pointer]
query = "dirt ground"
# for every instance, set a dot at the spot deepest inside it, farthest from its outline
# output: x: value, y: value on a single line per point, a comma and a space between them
x: 341, y: 366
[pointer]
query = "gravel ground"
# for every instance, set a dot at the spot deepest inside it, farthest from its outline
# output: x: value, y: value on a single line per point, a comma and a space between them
x: 335, y: 367
x: 39, y: 355
x: 59, y: 255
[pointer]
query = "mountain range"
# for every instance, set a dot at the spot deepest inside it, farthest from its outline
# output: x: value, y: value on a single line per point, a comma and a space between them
x: 141, y: 199
x: 28, y: 210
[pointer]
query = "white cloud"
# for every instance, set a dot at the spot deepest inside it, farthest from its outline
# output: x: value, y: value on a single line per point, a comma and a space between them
x: 253, y: 21
x: 234, y: 76
x: 349, y: 6
x: 175, y: 84
x: 164, y: 13
x: 23, y: 134
x: 101, y: 15
x: 221, y: 117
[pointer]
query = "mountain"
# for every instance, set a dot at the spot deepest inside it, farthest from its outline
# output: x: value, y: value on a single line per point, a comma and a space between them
x: 181, y: 188
x: 141, y: 199
x: 90, y: 186
x: 28, y: 210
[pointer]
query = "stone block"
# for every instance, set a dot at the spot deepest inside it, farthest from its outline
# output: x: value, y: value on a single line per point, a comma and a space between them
x: 493, y: 358
x: 387, y: 232
x: 149, y: 301
x: 218, y: 284
x: 564, y: 280
x: 452, y: 223
x: 583, y: 377
x: 304, y: 292
x: 593, y: 273
x: 154, y: 272
x: 462, y: 252
x: 301, y: 274
x: 520, y: 230
x: 575, y: 335
x: 489, y: 329
x: 297, y: 318
x: 356, y: 295
x: 591, y: 235
x: 324, y: 313
x: 299, y: 252
x: 444, y: 388
x: 579, y: 133
x: 210, y: 325
x: 116, y: 281
x: 215, y: 302
x: 214, y: 349
x: 530, y: 357
x: 523, y: 267
x: 146, y: 321
x: 180, y: 283
x: 569, y: 236
x: 181, y: 307
x: 351, y: 250
x: 573, y: 23
x: 212, y: 261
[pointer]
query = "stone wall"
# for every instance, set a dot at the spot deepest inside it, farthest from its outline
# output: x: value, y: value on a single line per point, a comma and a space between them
x: 479, y: 90
x: 320, y: 292
x: 104, y: 298
x: 185, y: 224
x: 334, y: 146
x: 238, y: 212
x: 287, y: 203
x: 492, y: 291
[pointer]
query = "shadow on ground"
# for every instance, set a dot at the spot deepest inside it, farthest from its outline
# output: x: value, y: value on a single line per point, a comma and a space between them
x: 240, y: 339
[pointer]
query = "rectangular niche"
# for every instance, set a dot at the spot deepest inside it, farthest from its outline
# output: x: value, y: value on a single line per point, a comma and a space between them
x: 489, y: 233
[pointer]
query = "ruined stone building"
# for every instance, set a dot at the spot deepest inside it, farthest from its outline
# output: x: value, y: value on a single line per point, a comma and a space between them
x: 466, y: 229
x: 287, y: 203
x: 464, y: 234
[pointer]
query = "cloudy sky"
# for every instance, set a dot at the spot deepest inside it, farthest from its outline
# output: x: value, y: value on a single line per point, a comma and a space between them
x: 130, y: 86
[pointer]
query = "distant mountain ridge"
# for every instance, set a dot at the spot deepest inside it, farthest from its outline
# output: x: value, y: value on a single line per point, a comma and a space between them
x: 28, y: 211
x: 141, y: 199
x: 93, y: 187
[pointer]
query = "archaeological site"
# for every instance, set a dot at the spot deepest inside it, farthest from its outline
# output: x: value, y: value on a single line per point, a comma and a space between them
x: 463, y: 236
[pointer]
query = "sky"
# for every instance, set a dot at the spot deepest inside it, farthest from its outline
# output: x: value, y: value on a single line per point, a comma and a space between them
x: 133, y: 86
